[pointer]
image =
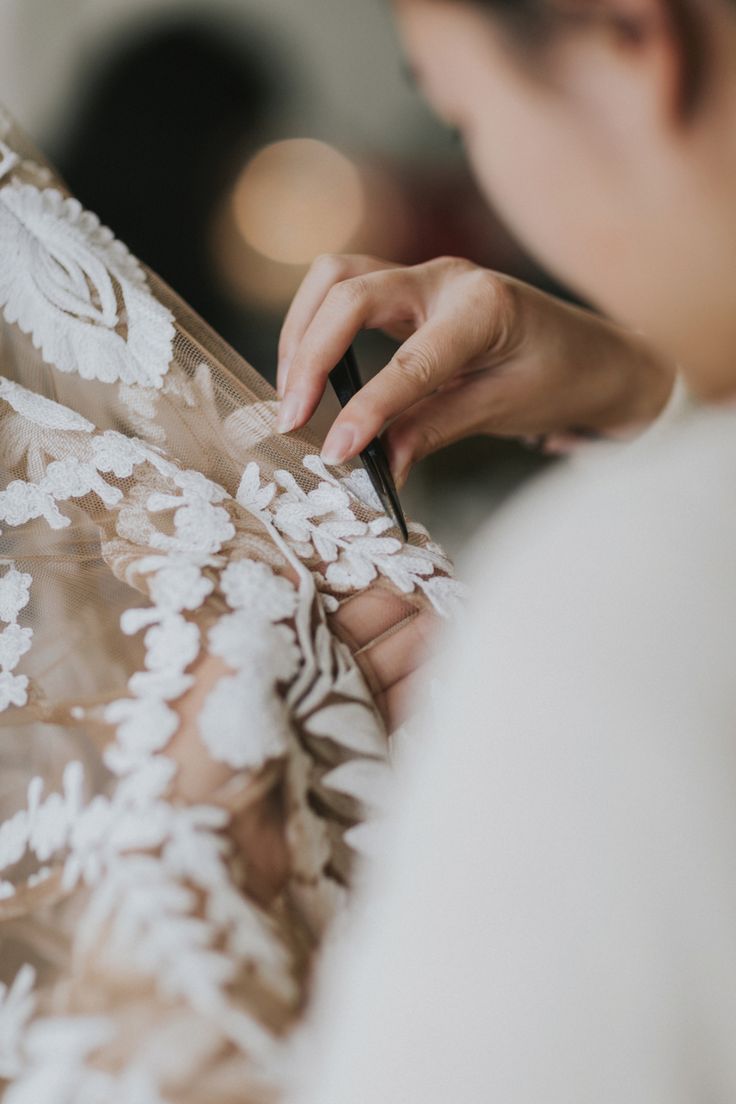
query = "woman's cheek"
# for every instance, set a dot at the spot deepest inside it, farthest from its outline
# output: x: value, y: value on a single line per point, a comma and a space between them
x: 540, y: 189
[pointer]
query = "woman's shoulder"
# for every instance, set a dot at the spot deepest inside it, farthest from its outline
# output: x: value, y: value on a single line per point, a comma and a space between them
x: 622, y: 561
x: 604, y: 605
x: 667, y: 501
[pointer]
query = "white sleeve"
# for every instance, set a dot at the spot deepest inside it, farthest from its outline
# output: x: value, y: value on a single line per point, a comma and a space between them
x: 677, y: 407
x: 555, y: 918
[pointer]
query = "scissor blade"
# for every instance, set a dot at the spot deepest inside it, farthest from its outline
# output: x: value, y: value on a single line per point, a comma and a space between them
x: 395, y: 510
x: 345, y: 379
x: 376, y: 464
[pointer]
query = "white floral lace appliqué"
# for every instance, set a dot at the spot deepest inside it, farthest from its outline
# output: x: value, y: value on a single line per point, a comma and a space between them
x: 161, y: 895
x: 78, y: 291
x: 321, y: 528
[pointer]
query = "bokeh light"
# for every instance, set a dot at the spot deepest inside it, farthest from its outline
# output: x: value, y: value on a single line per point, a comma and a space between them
x: 298, y: 198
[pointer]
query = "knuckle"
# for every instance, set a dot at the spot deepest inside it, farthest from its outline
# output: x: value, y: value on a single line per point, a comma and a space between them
x: 493, y: 290
x: 488, y: 284
x: 451, y: 266
x: 347, y: 294
x: 429, y: 438
x: 331, y: 265
x: 494, y: 299
x: 417, y: 365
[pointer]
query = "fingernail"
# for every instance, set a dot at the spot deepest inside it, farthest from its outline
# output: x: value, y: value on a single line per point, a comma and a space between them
x: 400, y: 478
x: 339, y: 445
x: 400, y: 462
x: 288, y: 413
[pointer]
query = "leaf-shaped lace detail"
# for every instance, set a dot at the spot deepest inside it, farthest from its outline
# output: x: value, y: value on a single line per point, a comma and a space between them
x: 321, y: 528
x: 40, y: 410
x: 79, y: 292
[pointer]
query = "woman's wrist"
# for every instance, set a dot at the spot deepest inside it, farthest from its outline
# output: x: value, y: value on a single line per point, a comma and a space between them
x: 648, y: 381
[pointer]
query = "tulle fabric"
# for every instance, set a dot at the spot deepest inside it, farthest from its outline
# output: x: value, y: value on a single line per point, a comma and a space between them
x: 190, y: 741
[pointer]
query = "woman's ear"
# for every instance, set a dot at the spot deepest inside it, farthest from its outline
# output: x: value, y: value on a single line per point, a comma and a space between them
x: 673, y: 35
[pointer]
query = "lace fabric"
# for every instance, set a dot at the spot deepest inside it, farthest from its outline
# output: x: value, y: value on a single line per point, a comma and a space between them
x: 190, y: 738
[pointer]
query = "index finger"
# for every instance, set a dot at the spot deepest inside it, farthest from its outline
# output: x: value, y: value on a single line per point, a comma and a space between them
x: 370, y: 300
x: 324, y: 273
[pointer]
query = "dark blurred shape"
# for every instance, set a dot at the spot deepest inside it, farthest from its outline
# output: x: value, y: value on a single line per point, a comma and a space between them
x: 163, y: 126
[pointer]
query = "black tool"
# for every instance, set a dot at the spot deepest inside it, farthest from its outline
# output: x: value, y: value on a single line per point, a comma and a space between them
x: 345, y: 379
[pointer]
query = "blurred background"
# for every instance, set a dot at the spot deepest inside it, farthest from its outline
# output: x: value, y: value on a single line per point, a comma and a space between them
x: 228, y: 142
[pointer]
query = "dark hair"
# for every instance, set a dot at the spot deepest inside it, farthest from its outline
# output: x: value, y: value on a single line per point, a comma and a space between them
x: 524, y: 12
x: 531, y: 23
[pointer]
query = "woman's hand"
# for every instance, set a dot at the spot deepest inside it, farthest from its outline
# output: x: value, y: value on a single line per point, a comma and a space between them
x: 481, y: 353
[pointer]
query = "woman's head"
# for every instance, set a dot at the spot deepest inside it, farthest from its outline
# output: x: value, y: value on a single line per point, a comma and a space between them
x: 605, y: 132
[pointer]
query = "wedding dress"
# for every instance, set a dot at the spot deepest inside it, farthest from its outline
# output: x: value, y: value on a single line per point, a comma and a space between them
x: 190, y: 743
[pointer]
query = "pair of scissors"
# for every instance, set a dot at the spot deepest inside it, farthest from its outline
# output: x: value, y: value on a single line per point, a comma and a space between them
x: 346, y: 382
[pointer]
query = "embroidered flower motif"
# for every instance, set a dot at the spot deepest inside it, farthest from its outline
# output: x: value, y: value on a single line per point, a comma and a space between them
x: 15, y: 589
x: 201, y: 527
x: 14, y: 643
x: 144, y: 726
x: 73, y: 478
x: 78, y: 292
x: 243, y: 723
x: 254, y: 587
x: 296, y: 512
x: 118, y: 455
x: 251, y: 495
x: 321, y: 527
x: 21, y: 502
x: 178, y: 584
x: 172, y: 639
x: 269, y: 652
x: 13, y: 689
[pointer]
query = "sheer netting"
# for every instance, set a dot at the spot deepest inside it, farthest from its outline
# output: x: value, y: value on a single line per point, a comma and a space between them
x: 193, y: 613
